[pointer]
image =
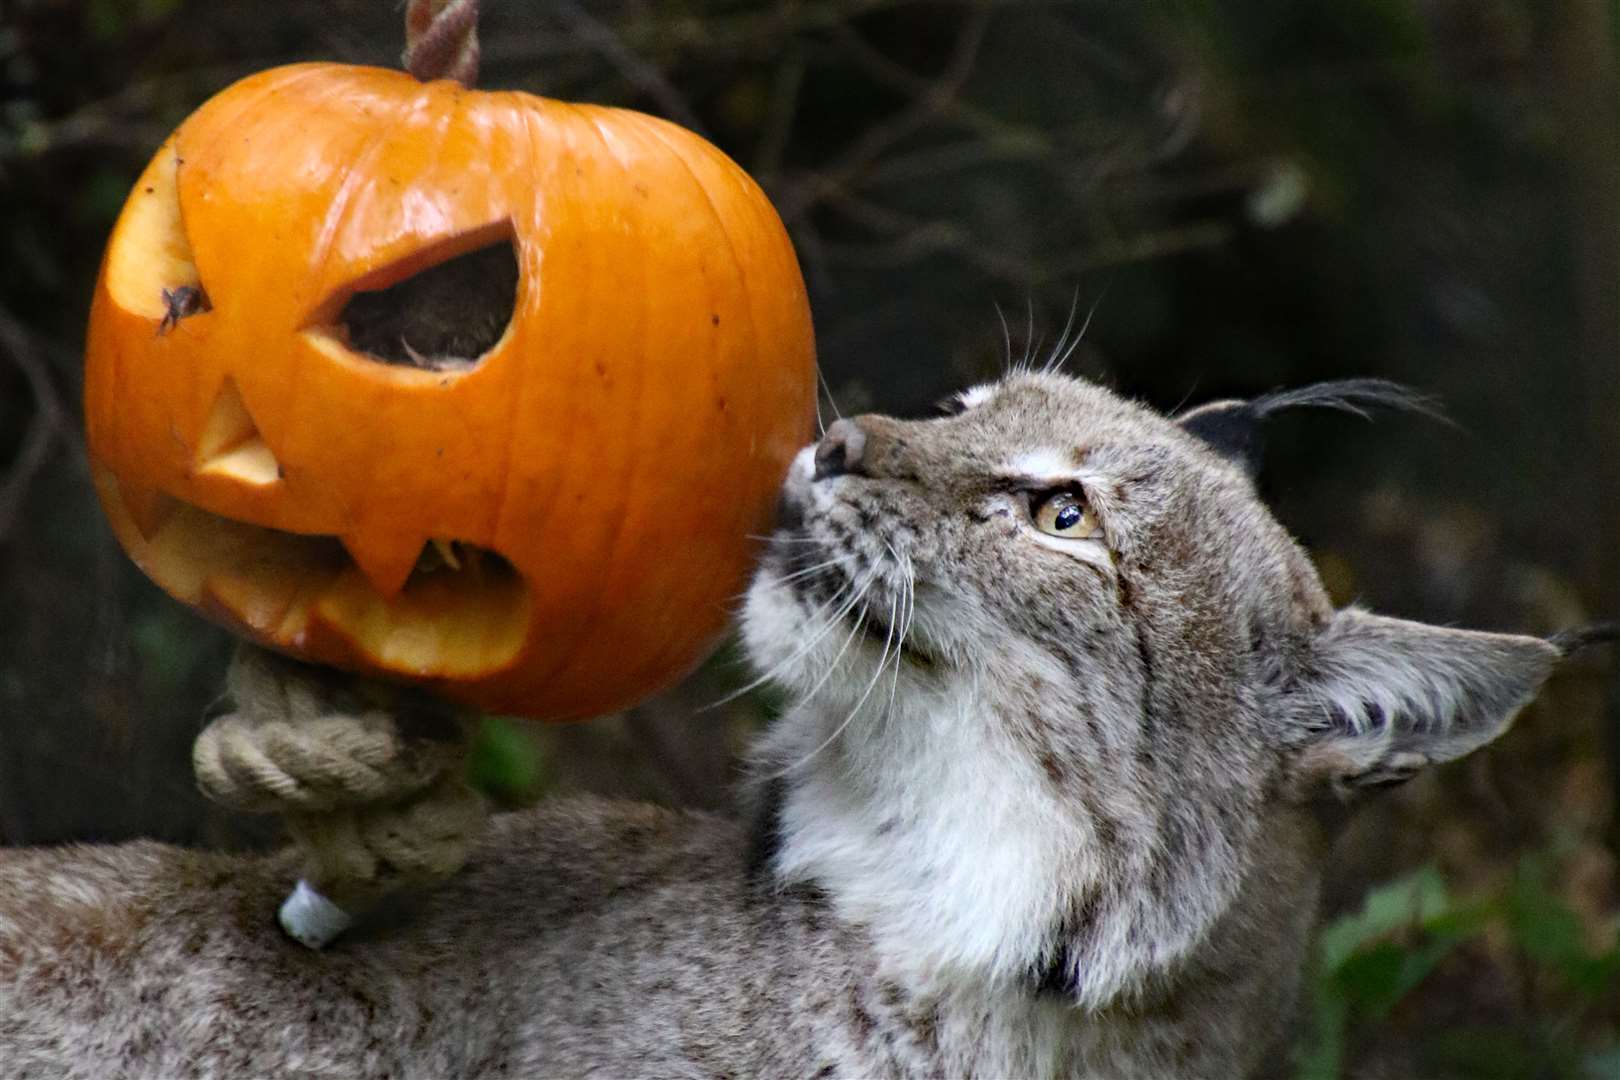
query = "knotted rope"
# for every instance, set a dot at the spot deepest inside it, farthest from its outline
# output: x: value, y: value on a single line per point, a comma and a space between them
x: 441, y: 40
x: 370, y: 780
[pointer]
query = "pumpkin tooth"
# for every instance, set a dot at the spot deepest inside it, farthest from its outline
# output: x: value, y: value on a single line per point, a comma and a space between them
x: 149, y: 508
x: 228, y: 426
x: 447, y: 552
x: 386, y: 559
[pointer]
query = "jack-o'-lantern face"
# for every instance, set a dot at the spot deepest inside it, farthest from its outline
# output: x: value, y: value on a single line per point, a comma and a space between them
x: 478, y: 390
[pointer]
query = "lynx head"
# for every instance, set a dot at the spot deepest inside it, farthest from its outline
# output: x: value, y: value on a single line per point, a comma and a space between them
x: 1058, y: 674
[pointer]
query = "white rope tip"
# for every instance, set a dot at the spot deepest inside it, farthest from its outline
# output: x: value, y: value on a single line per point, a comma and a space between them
x: 310, y: 918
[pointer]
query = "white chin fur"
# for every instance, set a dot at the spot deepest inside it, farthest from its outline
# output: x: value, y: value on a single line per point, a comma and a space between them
x: 804, y: 653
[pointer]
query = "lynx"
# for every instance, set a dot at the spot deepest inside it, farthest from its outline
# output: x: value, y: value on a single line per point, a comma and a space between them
x: 1071, y: 724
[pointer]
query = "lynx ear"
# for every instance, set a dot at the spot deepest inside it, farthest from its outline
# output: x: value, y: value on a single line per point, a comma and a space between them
x: 1233, y: 428
x: 1382, y: 698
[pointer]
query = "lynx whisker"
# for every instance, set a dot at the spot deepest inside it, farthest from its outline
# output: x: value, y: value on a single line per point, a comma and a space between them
x: 1052, y: 361
x: 832, y: 402
x: 1029, y: 333
x: 806, y: 571
x: 877, y: 676
x: 856, y: 593
x: 849, y: 639
x: 1060, y: 355
x: 908, y: 617
x: 1006, y: 338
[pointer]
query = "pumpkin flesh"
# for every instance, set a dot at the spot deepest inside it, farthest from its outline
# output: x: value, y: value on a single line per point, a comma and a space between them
x: 611, y: 453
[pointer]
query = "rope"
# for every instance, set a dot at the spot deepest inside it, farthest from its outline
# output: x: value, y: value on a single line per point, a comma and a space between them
x: 375, y: 798
x: 441, y: 40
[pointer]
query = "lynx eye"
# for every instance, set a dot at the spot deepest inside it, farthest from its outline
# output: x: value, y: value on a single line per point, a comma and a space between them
x: 1064, y: 514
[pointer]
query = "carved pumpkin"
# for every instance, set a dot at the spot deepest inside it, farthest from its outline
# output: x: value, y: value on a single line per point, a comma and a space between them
x: 547, y: 512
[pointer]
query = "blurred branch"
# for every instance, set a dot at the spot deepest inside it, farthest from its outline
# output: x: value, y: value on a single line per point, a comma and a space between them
x: 800, y: 198
x: 936, y: 161
x: 671, y: 758
x: 711, y: 36
x: 123, y: 120
x: 940, y: 95
x: 914, y: 239
x: 607, y: 43
x: 778, y: 129
x: 49, y: 421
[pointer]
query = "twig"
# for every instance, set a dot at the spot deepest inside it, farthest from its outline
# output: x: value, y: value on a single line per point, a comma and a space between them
x: 784, y: 107
x: 993, y: 128
x: 1141, y: 247
x: 939, y: 161
x: 666, y: 756
x: 714, y: 35
x: 813, y: 254
x: 913, y: 239
x: 799, y: 200
x: 607, y: 43
x: 122, y: 119
x: 49, y: 419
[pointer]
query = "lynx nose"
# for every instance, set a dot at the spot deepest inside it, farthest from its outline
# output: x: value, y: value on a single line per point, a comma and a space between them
x: 840, y: 450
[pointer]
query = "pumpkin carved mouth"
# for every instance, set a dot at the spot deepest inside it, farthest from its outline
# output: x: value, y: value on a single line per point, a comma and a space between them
x: 462, y: 611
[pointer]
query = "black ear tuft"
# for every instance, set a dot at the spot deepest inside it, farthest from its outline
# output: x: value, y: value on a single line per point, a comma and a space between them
x: 1573, y: 640
x: 1233, y: 427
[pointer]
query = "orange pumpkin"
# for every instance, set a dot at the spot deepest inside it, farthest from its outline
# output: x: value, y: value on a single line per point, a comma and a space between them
x: 556, y: 526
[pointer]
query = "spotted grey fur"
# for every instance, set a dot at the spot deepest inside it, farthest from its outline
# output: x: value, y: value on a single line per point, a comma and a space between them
x: 1037, y: 807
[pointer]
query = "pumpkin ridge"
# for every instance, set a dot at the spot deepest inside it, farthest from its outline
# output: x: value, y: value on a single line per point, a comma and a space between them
x: 197, y: 138
x: 354, y: 179
x: 359, y: 509
x: 628, y: 484
x: 530, y: 114
x: 653, y: 128
x: 528, y: 257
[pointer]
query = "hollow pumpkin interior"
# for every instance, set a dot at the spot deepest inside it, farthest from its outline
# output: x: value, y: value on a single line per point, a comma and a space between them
x: 463, y: 612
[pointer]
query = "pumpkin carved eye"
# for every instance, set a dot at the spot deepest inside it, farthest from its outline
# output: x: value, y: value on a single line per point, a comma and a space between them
x: 443, y: 318
x: 154, y: 275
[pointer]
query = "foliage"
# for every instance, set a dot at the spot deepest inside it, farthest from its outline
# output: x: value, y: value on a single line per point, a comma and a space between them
x: 1254, y: 193
x: 504, y: 762
x: 1370, y: 962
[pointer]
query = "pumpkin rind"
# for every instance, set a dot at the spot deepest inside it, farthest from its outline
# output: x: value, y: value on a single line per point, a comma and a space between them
x: 618, y: 446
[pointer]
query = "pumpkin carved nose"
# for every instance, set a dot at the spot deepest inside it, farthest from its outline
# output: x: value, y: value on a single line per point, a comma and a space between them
x: 840, y: 450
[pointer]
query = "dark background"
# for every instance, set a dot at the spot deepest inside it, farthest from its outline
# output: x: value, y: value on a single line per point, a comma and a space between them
x: 1246, y: 195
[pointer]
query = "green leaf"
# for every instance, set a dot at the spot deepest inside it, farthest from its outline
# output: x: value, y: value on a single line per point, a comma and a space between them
x: 1551, y: 934
x: 1377, y: 977
x: 168, y: 649
x: 105, y: 19
x: 503, y: 761
x: 102, y: 196
x: 1414, y: 900
x: 1322, y: 1057
x: 1602, y: 1064
x: 1491, y: 1054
